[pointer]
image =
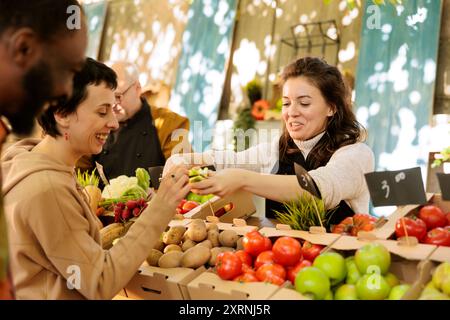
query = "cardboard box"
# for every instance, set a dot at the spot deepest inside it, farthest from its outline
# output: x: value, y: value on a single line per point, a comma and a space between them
x: 209, y: 286
x: 153, y: 283
x: 243, y: 207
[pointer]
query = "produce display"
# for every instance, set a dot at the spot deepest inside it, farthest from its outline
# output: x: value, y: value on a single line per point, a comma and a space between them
x: 198, y: 244
x: 439, y: 286
x: 352, y: 225
x: 430, y: 226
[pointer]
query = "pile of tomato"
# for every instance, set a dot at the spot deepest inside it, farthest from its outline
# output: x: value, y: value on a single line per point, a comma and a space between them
x: 431, y: 226
x: 260, y: 260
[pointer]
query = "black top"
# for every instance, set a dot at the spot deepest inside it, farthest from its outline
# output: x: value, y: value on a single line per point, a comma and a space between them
x: 286, y: 167
x: 134, y: 145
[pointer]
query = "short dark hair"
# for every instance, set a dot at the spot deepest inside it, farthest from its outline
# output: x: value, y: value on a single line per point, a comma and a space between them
x: 93, y: 73
x: 45, y: 17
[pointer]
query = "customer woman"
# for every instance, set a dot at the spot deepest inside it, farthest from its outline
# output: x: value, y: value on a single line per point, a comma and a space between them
x: 320, y: 132
x: 55, y: 245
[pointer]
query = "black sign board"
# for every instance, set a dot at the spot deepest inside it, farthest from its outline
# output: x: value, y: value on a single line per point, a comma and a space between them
x: 444, y: 182
x: 396, y: 188
x: 305, y: 180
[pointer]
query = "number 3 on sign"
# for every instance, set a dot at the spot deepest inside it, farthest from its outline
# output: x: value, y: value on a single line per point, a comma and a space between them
x: 385, y: 186
x: 305, y: 181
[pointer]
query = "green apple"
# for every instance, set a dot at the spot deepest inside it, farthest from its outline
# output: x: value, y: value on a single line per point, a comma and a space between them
x: 333, y: 265
x: 329, y: 295
x: 433, y: 294
x: 353, y: 274
x: 372, y: 287
x: 398, y: 291
x: 313, y: 282
x: 373, y: 258
x: 206, y: 197
x: 194, y: 197
x: 346, y: 292
x: 440, y: 275
x: 391, y: 279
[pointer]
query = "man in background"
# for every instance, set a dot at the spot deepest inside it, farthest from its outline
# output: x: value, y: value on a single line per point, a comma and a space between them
x: 144, y: 138
x: 39, y: 55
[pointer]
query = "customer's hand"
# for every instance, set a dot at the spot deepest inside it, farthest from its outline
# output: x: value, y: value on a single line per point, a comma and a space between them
x: 174, y: 187
x: 220, y: 183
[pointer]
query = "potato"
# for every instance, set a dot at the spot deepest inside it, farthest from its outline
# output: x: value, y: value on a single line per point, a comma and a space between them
x: 170, y: 259
x: 195, y: 257
x: 228, y: 238
x: 174, y: 235
x: 172, y: 247
x: 187, y: 244
x: 213, y: 236
x: 206, y: 243
x: 153, y: 257
x: 239, y: 245
x: 159, y: 245
x: 212, y: 226
x: 215, y: 252
x: 199, y: 221
x: 196, y: 232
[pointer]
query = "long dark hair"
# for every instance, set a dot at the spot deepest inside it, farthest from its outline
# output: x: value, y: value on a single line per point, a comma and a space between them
x: 342, y: 129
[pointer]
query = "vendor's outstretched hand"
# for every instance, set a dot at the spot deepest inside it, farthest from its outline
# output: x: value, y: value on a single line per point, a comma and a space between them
x: 220, y: 183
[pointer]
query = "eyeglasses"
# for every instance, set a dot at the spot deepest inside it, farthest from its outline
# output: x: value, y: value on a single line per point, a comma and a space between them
x: 119, y: 95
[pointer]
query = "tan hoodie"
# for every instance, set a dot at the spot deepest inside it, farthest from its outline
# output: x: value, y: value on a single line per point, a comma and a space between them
x: 54, y: 236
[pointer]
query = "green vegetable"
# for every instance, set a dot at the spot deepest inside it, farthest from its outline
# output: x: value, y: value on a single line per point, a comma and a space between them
x: 86, y: 179
x: 143, y: 178
x: 302, y: 213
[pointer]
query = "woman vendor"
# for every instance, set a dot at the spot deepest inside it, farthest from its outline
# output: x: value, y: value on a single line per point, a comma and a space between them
x: 320, y: 133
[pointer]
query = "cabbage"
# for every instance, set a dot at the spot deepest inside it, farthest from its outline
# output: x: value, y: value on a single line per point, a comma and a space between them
x: 143, y: 178
x: 118, y: 186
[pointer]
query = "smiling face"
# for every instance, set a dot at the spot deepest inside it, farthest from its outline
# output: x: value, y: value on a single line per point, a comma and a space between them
x: 94, y: 119
x: 305, y: 112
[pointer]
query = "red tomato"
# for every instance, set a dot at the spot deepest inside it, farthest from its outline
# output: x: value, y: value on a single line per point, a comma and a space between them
x: 267, y: 244
x: 248, y: 269
x: 189, y: 205
x: 273, y: 273
x: 246, y: 277
x: 265, y: 257
x: 182, y: 202
x: 228, y: 265
x: 433, y: 217
x: 415, y: 228
x: 253, y: 243
x: 287, y: 251
x: 438, y: 237
x: 292, y: 271
x: 311, y: 251
x: 245, y: 257
x: 448, y: 218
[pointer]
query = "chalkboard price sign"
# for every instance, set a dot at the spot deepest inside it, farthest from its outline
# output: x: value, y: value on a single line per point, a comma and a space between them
x: 444, y: 182
x: 396, y: 188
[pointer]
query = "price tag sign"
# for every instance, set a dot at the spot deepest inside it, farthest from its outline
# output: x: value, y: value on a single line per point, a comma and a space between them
x: 305, y: 180
x: 444, y: 182
x: 155, y: 176
x: 396, y: 188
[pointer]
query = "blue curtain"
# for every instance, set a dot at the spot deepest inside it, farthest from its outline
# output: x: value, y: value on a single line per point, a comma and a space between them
x: 95, y: 14
x: 201, y: 70
x: 396, y: 79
